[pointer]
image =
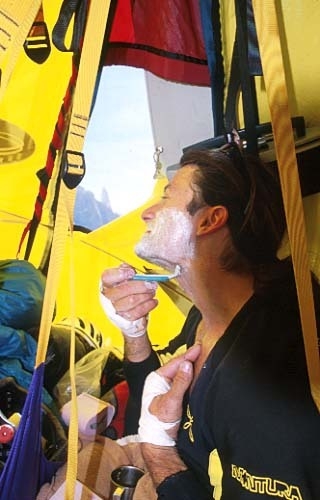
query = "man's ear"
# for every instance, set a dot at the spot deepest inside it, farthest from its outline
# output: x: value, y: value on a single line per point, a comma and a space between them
x: 212, y: 219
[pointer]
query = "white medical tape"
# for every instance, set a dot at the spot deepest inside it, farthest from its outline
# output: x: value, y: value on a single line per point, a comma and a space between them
x: 135, y: 328
x: 151, y: 429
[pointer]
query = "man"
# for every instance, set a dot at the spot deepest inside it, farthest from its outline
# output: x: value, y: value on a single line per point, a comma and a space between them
x: 231, y: 417
x: 236, y: 410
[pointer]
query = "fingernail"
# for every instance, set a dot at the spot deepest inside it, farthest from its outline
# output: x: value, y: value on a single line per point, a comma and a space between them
x: 186, y: 366
x: 194, y: 346
x: 127, y: 272
x: 151, y: 285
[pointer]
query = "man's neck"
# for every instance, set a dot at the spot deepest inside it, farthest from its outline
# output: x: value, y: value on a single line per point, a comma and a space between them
x: 219, y: 295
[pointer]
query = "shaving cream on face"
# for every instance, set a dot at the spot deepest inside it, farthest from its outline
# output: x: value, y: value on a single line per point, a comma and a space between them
x: 168, y: 240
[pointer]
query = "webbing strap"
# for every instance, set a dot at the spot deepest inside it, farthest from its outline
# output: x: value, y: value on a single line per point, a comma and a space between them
x: 71, y: 10
x: 45, y: 174
x: 250, y: 109
x: 63, y: 224
x: 16, y: 19
x: 88, y: 70
x: 274, y: 76
x: 243, y: 62
x: 79, y: 119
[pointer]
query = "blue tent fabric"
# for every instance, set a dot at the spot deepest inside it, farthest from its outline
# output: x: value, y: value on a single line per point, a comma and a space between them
x: 211, y: 27
x: 26, y: 468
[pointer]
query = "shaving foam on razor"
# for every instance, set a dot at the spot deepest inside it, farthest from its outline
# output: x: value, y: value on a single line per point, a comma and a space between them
x: 158, y: 277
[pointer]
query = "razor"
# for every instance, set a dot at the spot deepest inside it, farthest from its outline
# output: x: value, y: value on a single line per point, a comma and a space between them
x: 158, y: 277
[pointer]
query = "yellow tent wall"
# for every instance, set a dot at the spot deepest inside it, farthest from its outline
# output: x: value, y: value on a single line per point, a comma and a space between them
x: 31, y: 102
x: 300, y: 39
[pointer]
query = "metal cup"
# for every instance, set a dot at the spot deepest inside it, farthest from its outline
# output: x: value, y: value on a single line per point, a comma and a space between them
x: 123, y: 482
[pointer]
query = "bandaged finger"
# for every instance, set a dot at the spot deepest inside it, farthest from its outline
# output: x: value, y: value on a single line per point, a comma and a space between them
x: 135, y: 328
x: 151, y: 429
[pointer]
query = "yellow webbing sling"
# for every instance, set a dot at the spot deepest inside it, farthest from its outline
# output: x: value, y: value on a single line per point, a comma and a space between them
x: 274, y: 76
x: 16, y: 18
x: 83, y: 94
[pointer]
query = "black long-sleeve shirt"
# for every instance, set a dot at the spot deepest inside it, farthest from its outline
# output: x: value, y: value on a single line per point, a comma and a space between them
x: 250, y: 428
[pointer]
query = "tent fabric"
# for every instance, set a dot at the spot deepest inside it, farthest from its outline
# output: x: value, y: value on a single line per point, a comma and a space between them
x: 211, y: 25
x: 163, y: 36
x: 171, y: 47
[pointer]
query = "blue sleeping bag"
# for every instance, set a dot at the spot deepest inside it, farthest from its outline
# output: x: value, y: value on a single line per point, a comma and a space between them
x: 22, y: 289
x: 21, y: 294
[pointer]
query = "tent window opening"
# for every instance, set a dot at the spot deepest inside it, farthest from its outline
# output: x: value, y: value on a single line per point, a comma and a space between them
x: 119, y: 150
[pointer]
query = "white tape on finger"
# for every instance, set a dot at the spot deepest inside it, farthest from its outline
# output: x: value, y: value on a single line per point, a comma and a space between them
x: 135, y: 328
x: 151, y: 429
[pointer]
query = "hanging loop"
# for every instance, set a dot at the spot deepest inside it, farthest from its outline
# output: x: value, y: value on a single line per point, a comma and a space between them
x: 156, y: 158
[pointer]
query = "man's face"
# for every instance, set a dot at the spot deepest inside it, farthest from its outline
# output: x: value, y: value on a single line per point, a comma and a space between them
x: 169, y: 239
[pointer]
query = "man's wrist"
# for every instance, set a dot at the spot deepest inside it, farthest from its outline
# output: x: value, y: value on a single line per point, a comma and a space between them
x: 162, y: 462
x: 137, y: 349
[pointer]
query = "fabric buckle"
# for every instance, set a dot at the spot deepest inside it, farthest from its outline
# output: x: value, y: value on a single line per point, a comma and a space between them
x: 37, y: 44
x: 74, y: 168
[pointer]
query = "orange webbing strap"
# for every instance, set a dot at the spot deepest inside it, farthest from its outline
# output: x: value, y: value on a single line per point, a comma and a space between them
x: 274, y: 76
x: 79, y: 119
x: 16, y: 18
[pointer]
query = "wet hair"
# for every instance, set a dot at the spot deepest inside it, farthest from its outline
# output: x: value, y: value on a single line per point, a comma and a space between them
x: 251, y: 192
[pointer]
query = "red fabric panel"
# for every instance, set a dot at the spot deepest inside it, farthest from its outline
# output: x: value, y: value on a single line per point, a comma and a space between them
x: 161, y: 36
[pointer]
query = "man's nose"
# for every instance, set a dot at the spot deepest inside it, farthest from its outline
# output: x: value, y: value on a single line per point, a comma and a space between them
x: 149, y: 213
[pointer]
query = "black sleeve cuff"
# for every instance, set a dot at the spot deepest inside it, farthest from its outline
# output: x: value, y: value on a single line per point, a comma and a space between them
x: 136, y: 373
x: 183, y: 485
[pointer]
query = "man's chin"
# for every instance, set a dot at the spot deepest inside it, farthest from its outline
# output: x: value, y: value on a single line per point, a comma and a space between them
x: 154, y: 259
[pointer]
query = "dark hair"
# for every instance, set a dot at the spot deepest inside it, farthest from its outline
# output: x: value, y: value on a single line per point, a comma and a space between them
x: 251, y: 192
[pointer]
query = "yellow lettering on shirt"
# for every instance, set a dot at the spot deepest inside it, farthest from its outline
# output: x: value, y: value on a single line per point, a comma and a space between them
x: 265, y: 485
x: 215, y: 474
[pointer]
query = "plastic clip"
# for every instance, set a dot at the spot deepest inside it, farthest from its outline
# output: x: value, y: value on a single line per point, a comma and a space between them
x: 74, y: 168
x: 7, y: 429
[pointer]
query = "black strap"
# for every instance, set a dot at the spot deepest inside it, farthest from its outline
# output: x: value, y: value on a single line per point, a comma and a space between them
x: 245, y: 64
x: 254, y: 60
x: 76, y: 9
x: 233, y: 91
x: 250, y: 108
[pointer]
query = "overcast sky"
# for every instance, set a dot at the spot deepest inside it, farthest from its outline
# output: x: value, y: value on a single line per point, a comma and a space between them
x: 119, y: 144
